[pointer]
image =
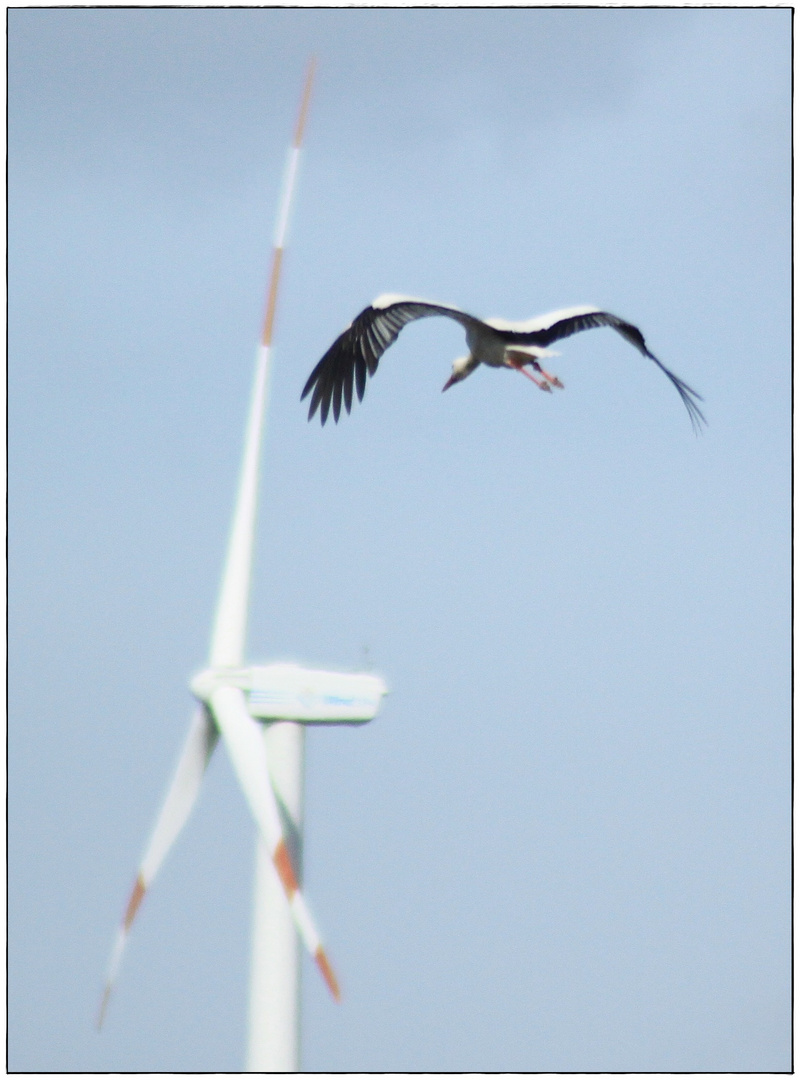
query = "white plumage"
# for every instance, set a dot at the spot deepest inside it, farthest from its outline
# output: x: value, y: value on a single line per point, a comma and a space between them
x: 495, y: 342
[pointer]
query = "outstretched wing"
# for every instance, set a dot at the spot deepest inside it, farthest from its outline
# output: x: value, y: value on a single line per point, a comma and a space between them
x: 560, y: 324
x: 358, y: 350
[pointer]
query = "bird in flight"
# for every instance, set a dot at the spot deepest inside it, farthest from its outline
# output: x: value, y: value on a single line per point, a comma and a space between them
x: 495, y: 342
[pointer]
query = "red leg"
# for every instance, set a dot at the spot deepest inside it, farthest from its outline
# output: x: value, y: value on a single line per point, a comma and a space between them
x: 553, y: 379
x: 518, y: 367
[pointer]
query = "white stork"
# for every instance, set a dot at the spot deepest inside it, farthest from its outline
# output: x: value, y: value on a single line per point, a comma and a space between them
x: 491, y: 341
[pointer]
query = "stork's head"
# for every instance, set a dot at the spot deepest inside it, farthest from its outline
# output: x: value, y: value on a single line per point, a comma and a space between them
x: 462, y: 367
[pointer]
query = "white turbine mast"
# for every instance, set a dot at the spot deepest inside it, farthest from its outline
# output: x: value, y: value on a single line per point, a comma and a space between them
x: 260, y: 713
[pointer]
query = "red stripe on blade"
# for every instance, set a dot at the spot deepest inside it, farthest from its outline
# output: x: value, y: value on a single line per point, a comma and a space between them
x: 272, y: 296
x: 133, y: 904
x: 327, y: 973
x: 283, y: 864
x: 301, y: 120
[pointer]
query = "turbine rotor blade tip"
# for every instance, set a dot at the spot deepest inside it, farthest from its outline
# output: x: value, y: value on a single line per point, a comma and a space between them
x: 101, y: 1012
x: 327, y: 973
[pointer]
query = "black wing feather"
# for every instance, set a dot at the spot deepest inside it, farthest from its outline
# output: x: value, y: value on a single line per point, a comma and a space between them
x: 573, y: 324
x: 348, y: 387
x: 361, y: 377
x: 358, y: 350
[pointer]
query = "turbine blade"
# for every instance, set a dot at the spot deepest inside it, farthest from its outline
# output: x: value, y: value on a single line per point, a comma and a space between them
x: 181, y: 797
x: 230, y: 623
x: 245, y: 742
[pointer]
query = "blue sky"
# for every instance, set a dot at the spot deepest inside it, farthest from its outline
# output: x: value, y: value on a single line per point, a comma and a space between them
x: 564, y: 843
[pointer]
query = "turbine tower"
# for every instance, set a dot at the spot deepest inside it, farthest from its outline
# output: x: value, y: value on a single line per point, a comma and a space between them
x: 260, y: 713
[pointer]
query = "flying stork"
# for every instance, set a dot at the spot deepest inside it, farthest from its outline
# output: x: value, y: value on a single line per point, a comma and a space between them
x: 491, y: 341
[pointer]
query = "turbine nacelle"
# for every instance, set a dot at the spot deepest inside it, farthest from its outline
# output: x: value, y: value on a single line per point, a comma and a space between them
x: 285, y: 691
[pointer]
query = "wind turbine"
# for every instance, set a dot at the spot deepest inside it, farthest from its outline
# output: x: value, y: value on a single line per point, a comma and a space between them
x: 259, y: 712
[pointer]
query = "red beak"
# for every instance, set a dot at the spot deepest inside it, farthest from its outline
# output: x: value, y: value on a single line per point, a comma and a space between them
x: 449, y: 383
